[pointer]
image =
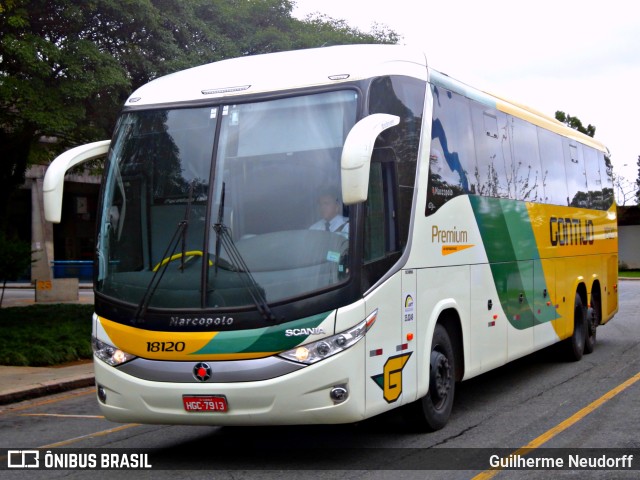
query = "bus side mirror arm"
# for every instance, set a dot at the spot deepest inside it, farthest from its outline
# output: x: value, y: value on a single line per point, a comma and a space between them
x: 356, y: 155
x: 53, y: 184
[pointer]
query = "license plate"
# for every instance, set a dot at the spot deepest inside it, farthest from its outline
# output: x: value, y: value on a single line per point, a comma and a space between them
x: 205, y: 403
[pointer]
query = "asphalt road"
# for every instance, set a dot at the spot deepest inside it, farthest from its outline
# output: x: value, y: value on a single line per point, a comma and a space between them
x: 539, y: 401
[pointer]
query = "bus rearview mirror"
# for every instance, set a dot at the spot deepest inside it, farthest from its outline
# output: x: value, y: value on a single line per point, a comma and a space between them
x: 53, y: 184
x: 356, y: 155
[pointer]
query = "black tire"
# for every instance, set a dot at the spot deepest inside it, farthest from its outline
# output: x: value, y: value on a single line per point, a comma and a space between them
x: 432, y: 412
x: 575, y: 345
x: 593, y: 320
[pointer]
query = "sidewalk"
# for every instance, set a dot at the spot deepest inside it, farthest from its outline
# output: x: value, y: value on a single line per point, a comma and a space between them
x: 24, y: 383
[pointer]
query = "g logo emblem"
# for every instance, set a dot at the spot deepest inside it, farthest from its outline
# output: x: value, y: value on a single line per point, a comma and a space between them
x: 390, y: 381
x: 202, y: 372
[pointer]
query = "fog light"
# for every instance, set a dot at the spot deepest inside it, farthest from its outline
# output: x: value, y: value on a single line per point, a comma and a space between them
x: 102, y: 394
x: 339, y: 394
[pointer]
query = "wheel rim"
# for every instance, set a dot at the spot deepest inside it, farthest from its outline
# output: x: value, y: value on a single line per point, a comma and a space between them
x: 440, y: 379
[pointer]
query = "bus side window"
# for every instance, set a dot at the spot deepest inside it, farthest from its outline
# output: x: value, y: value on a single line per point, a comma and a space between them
x: 381, y: 219
x: 606, y: 175
x: 526, y: 171
x: 452, y: 159
x: 493, y: 152
x: 554, y: 178
x: 404, y: 97
x: 576, y: 175
x: 594, y: 181
x: 382, y: 235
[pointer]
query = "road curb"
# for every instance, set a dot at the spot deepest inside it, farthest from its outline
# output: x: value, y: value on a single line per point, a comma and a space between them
x: 45, y: 389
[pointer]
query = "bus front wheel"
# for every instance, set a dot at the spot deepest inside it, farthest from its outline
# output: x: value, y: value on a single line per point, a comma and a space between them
x: 432, y: 412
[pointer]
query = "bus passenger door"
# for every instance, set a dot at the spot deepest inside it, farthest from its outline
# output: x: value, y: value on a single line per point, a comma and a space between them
x: 389, y: 354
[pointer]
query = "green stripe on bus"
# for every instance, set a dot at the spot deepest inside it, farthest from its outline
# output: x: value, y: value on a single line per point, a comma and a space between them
x: 514, y: 258
x: 268, y: 339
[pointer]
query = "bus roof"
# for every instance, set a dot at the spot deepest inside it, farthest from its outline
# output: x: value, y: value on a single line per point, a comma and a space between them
x: 323, y: 66
x: 281, y: 71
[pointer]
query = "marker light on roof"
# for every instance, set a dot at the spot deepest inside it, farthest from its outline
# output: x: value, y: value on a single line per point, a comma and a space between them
x: 215, y: 91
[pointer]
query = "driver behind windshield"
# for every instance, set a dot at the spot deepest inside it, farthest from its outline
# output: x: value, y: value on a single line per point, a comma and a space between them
x: 330, y: 209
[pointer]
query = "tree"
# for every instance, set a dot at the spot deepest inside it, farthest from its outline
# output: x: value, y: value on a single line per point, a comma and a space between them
x: 625, y: 190
x: 67, y: 66
x: 575, y: 123
x: 319, y: 30
x: 15, y: 258
x: 638, y: 184
x: 53, y: 76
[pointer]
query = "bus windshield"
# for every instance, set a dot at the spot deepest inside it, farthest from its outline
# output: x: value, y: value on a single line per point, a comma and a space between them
x: 257, y: 218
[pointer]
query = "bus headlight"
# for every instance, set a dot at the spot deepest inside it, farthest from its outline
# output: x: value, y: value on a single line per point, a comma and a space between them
x: 110, y: 354
x: 327, y: 347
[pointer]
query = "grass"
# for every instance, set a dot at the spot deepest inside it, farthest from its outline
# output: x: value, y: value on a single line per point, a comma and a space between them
x: 629, y: 273
x: 45, y: 335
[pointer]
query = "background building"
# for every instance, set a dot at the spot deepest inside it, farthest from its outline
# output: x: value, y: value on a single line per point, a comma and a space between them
x: 629, y: 236
x: 72, y: 240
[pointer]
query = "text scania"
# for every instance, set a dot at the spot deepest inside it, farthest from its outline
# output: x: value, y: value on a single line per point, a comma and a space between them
x: 297, y: 332
x: 570, y: 231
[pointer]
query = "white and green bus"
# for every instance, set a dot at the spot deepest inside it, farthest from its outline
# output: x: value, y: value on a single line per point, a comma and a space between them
x: 320, y: 236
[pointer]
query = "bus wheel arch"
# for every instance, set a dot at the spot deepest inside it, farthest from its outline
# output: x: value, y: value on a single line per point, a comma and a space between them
x: 450, y: 320
x: 594, y: 317
x: 446, y: 368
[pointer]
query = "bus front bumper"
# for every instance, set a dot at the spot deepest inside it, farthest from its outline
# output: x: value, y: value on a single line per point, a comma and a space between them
x: 301, y: 397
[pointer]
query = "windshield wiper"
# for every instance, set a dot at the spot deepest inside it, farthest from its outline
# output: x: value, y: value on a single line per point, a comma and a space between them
x: 187, y: 218
x: 158, y: 273
x: 223, y: 239
x: 179, y: 234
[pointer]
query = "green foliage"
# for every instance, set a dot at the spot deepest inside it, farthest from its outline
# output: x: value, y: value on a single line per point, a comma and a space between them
x: 626, y: 272
x: 575, y: 123
x: 67, y: 66
x: 15, y: 258
x: 45, y: 335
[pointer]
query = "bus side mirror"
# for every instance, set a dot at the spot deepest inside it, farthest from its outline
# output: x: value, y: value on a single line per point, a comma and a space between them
x: 53, y: 184
x: 356, y: 155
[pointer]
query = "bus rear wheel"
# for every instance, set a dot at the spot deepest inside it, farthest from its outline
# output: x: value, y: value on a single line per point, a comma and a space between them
x: 593, y: 320
x: 575, y: 345
x: 432, y: 412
